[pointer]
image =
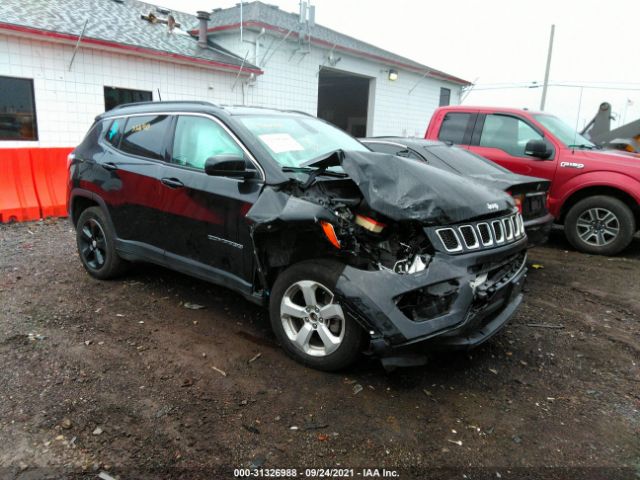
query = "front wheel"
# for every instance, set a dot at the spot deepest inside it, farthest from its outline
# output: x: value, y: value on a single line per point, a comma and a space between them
x: 601, y: 225
x: 308, y: 320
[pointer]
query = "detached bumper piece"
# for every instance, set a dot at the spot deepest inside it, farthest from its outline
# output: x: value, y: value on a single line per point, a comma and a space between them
x: 458, y: 301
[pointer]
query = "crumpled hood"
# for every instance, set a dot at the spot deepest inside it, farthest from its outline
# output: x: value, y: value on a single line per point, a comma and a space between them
x: 403, y: 189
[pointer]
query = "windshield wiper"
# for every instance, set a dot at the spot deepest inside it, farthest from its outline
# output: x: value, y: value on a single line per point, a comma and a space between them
x: 298, y: 169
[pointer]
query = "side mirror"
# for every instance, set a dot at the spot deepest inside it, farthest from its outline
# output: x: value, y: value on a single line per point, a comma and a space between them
x: 227, y: 165
x: 537, y: 149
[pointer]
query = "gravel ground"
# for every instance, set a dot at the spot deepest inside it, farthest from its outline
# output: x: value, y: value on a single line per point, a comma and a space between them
x: 121, y: 377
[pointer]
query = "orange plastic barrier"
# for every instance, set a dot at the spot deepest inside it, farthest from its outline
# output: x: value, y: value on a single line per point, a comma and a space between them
x: 33, y: 183
x: 49, y: 166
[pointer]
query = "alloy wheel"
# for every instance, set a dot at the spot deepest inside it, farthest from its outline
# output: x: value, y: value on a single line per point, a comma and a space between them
x: 598, y: 226
x: 311, y: 319
x: 93, y: 244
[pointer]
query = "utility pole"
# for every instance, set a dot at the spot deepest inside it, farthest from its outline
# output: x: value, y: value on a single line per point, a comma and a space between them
x: 546, y: 72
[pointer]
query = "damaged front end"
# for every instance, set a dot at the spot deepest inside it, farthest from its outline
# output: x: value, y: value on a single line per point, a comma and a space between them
x: 426, y: 254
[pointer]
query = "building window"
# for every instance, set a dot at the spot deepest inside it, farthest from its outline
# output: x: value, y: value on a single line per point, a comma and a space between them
x: 17, y: 109
x: 114, y: 96
x: 445, y: 97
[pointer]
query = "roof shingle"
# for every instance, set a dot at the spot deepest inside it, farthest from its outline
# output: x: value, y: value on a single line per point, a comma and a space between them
x: 118, y: 23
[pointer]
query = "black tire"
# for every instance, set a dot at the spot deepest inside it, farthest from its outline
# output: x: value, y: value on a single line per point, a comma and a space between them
x: 95, y: 239
x: 574, y: 225
x: 325, y: 273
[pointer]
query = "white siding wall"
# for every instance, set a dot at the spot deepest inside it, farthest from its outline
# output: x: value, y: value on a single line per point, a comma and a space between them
x: 67, y: 101
x: 291, y: 81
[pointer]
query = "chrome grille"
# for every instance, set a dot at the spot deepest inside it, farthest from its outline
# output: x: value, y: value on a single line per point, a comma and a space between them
x: 475, y: 236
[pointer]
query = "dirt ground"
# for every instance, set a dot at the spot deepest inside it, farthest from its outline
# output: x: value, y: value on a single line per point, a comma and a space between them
x: 118, y: 377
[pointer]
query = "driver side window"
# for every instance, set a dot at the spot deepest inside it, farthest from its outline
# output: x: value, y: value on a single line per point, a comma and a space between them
x: 199, y: 138
x: 507, y: 133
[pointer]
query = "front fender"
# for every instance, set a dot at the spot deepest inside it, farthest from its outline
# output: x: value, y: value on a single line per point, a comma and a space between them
x: 619, y: 181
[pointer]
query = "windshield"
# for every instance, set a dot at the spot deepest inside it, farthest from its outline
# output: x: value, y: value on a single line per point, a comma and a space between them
x: 563, y: 132
x: 295, y: 140
x: 460, y: 161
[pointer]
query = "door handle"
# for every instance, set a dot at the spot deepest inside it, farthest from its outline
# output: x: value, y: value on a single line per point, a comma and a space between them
x: 109, y: 166
x: 172, y: 182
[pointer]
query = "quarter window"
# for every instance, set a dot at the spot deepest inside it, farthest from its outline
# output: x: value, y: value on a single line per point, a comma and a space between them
x: 507, y: 133
x: 197, y: 139
x: 145, y: 136
x: 454, y: 127
x: 114, y: 133
x: 17, y: 109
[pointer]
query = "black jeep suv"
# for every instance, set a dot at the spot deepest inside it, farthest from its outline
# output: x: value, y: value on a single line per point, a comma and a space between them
x: 350, y: 250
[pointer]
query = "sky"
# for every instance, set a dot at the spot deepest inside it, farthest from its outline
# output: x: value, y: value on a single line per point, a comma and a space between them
x: 502, y: 44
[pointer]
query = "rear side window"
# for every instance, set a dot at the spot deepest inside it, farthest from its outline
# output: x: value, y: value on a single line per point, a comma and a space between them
x: 146, y: 136
x: 453, y: 127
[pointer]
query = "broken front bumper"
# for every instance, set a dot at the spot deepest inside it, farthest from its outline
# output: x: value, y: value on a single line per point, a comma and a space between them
x: 458, y: 300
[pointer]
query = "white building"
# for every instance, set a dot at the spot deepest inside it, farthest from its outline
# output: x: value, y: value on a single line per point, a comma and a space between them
x: 62, y: 62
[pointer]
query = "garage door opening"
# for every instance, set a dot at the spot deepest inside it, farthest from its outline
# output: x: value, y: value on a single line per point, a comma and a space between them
x: 343, y: 99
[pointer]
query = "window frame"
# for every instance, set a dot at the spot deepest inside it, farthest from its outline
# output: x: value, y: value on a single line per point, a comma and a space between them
x: 249, y: 155
x: 36, y: 133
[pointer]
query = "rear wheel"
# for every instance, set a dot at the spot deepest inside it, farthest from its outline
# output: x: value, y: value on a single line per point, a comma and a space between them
x: 308, y: 320
x: 96, y: 245
x: 601, y: 225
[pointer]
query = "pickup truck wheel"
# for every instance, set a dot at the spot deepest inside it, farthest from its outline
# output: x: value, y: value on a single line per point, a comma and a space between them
x: 96, y: 245
x: 307, y: 319
x: 600, y: 225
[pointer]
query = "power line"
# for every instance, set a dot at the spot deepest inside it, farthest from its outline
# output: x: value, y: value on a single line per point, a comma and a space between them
x: 593, y: 87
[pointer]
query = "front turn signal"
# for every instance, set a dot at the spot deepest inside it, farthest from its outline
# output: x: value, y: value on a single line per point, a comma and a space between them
x: 330, y: 233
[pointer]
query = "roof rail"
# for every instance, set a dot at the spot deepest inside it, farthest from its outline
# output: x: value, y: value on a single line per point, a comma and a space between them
x: 165, y: 102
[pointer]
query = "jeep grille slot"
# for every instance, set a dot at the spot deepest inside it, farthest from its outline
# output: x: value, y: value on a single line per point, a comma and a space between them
x: 498, y: 231
x: 449, y: 239
x: 485, y: 234
x: 508, y: 229
x: 469, y: 236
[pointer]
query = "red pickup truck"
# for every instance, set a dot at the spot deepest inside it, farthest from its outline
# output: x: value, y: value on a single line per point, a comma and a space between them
x: 595, y: 193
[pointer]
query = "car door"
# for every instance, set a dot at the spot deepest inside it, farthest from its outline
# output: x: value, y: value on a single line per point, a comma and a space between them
x: 502, y: 138
x: 204, y: 224
x: 130, y: 174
